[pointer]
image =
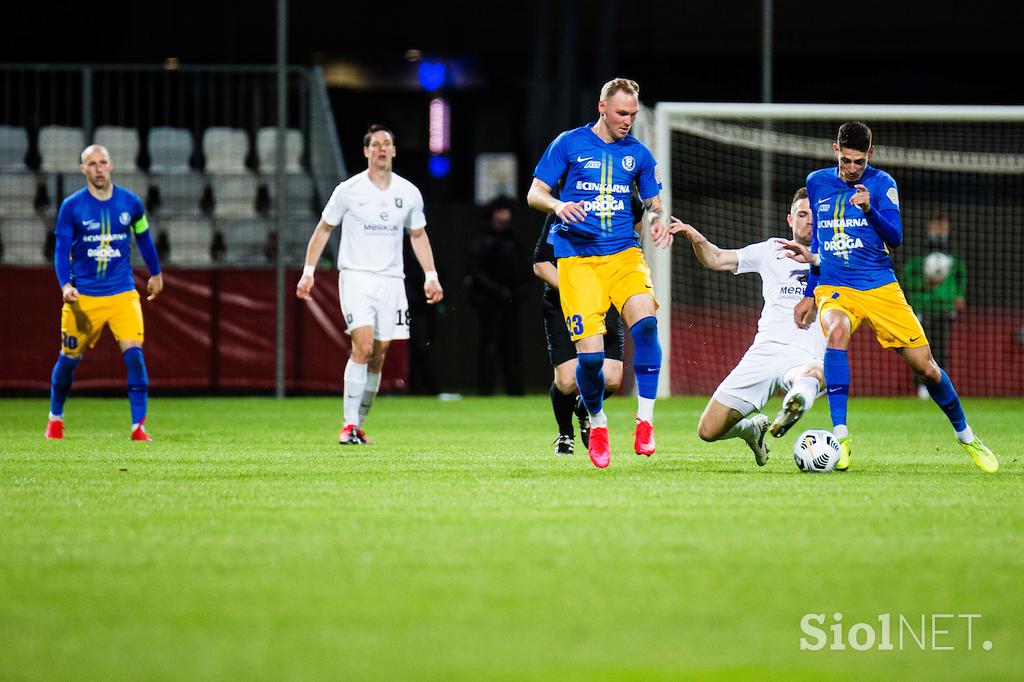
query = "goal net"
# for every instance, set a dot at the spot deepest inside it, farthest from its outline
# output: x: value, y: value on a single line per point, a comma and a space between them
x: 731, y: 171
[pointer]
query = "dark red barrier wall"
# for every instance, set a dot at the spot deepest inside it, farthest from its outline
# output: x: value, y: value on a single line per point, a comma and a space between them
x: 986, y: 353
x: 208, y: 330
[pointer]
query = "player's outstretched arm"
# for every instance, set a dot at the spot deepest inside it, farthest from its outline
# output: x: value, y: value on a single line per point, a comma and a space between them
x: 425, y: 256
x: 662, y: 226
x: 540, y: 198
x: 798, y: 252
x: 314, y: 249
x: 709, y: 255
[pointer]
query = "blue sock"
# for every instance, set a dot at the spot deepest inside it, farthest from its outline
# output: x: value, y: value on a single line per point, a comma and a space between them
x: 646, y: 356
x: 590, y: 380
x: 138, y: 383
x: 946, y: 398
x: 837, y: 378
x: 60, y: 382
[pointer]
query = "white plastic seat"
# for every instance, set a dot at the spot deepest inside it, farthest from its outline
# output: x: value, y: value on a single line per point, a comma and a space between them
x: 13, y: 148
x: 225, y: 150
x: 298, y: 193
x: 189, y: 239
x: 169, y: 150
x: 180, y: 192
x: 122, y: 144
x: 18, y: 193
x: 244, y: 240
x: 266, y: 150
x: 23, y: 240
x: 60, y: 148
x: 234, y: 195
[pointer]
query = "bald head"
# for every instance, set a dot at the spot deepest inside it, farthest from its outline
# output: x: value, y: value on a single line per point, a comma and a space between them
x: 92, y: 149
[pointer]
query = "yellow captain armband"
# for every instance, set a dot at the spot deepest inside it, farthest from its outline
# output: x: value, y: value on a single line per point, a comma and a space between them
x: 140, y: 225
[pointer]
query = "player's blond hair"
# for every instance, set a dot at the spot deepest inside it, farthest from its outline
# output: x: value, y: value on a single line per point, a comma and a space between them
x: 617, y: 85
x: 92, y: 148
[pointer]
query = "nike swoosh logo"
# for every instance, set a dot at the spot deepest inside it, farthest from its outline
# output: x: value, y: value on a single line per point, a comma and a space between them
x: 914, y: 339
x: 581, y: 159
x: 834, y: 390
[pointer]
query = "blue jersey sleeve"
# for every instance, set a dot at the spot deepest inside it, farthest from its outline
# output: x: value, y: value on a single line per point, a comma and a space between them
x: 553, y: 164
x: 144, y: 239
x: 884, y: 215
x: 647, y: 179
x: 65, y: 233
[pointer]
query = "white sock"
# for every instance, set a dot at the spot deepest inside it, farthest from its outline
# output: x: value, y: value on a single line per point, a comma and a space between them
x: 369, y: 393
x: 744, y: 429
x: 56, y: 417
x: 965, y: 436
x: 599, y: 419
x: 840, y: 431
x: 355, y: 384
x: 806, y: 388
x: 645, y: 409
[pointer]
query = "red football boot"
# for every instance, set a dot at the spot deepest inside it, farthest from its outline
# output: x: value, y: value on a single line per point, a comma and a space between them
x: 644, y: 442
x: 139, y: 432
x: 600, y: 451
x: 54, y: 429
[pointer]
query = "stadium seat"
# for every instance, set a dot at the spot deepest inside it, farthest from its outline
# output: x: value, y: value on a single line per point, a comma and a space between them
x: 13, y: 148
x: 18, y: 193
x: 170, y: 150
x: 189, y: 239
x: 179, y: 188
x: 24, y: 240
x: 298, y: 192
x: 266, y: 150
x: 60, y: 149
x: 225, y: 150
x: 234, y: 195
x: 123, y: 145
x: 245, y: 240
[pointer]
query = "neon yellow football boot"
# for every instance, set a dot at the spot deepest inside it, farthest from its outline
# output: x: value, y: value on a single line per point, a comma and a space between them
x: 845, y: 447
x: 983, y: 458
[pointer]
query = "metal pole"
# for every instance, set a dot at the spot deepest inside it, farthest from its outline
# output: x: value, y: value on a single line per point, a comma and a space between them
x: 282, y: 122
x: 767, y: 159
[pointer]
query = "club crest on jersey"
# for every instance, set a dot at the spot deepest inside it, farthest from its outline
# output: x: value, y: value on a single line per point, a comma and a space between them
x: 628, y: 163
x: 384, y: 216
x: 893, y: 195
x: 125, y: 217
x: 398, y: 203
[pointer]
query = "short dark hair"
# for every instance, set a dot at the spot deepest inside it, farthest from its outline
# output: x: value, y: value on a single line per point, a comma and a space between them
x: 854, y: 135
x: 377, y: 128
x: 800, y: 195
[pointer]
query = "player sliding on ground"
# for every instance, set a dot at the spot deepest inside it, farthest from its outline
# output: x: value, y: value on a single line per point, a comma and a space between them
x: 598, y: 252
x: 374, y: 208
x: 782, y: 357
x: 857, y: 219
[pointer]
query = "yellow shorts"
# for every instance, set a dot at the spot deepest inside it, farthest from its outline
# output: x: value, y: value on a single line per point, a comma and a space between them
x: 82, y: 322
x: 884, y: 308
x: 588, y: 284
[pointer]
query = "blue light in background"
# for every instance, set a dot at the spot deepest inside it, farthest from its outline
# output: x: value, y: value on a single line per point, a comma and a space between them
x: 439, y: 166
x: 432, y: 74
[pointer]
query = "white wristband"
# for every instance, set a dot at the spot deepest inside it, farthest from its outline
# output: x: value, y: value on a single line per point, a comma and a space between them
x: 308, y: 270
x: 431, y: 276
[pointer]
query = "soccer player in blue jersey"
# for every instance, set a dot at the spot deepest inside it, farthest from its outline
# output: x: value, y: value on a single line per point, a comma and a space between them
x: 857, y: 221
x: 596, y: 167
x: 93, y: 261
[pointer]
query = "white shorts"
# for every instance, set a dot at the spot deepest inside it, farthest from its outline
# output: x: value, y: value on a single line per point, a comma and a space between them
x: 372, y: 300
x: 764, y: 369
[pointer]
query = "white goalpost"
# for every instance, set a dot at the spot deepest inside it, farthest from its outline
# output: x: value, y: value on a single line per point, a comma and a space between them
x: 731, y: 169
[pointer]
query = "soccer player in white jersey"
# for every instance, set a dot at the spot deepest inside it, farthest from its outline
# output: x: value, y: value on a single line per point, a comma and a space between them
x: 374, y: 209
x: 782, y: 357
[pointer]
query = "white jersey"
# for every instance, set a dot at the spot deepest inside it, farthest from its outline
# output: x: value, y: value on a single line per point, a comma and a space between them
x: 373, y: 222
x: 783, y: 281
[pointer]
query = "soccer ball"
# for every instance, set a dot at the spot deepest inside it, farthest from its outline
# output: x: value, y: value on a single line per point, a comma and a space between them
x: 936, y: 266
x: 816, y: 451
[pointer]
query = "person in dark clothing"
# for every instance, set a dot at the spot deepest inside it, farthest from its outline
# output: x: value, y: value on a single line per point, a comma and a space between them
x: 497, y: 279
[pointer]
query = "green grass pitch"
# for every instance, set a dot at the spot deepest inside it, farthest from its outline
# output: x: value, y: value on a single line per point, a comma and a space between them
x: 246, y: 544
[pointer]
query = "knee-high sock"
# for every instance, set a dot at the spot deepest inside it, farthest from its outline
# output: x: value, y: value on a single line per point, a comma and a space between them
x: 646, y: 365
x: 590, y: 379
x: 563, y: 406
x: 138, y: 383
x: 837, y: 378
x: 948, y: 401
x: 744, y: 429
x: 805, y: 387
x: 355, y: 386
x: 369, y: 393
x: 60, y: 382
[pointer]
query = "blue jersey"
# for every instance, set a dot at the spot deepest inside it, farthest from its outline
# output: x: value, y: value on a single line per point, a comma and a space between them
x: 599, y: 175
x: 99, y: 236
x: 850, y: 243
